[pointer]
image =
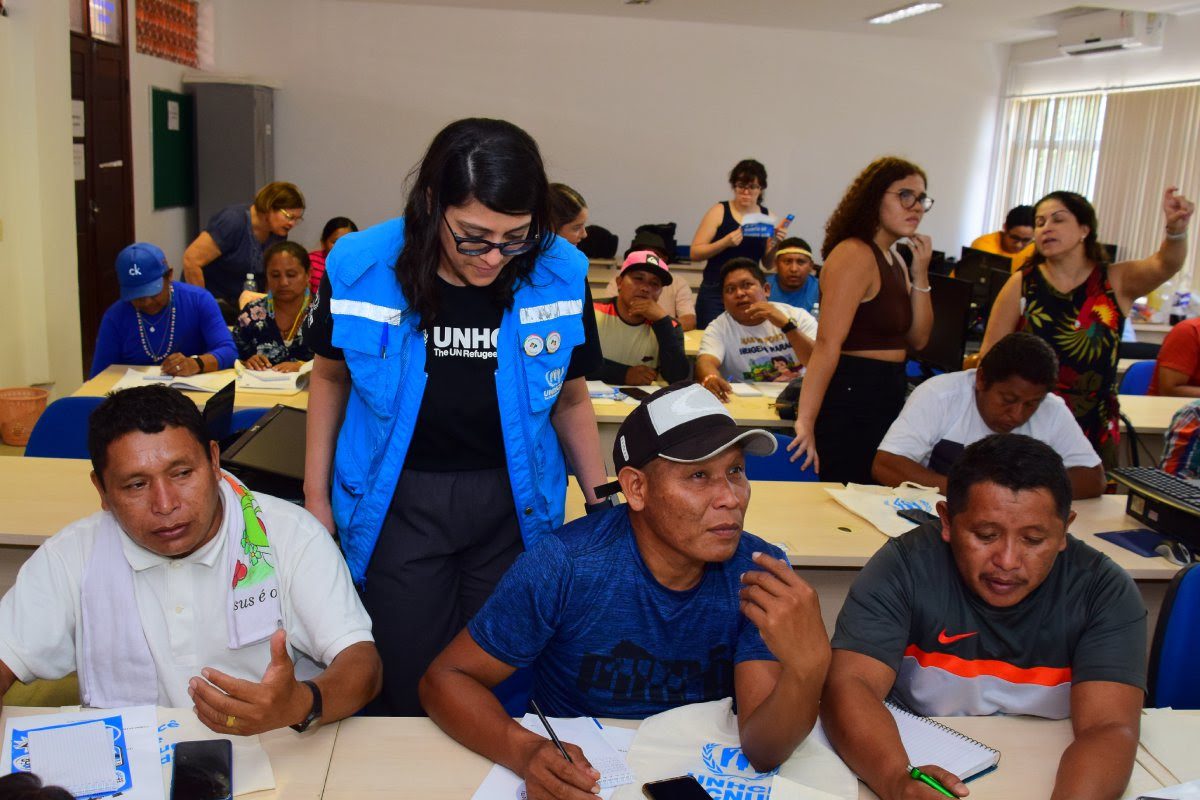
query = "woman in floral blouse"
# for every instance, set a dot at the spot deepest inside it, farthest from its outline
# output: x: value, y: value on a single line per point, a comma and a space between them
x: 269, y: 332
x: 1070, y: 296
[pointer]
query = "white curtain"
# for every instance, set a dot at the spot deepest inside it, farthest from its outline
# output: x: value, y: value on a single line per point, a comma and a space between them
x: 1046, y: 144
x: 1151, y: 141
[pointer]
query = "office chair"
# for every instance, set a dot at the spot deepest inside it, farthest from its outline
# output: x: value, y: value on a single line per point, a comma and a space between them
x: 1136, y: 379
x: 1175, y: 651
x: 62, y: 429
x: 777, y: 467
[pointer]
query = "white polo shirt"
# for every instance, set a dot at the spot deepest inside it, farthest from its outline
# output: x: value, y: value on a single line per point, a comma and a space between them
x: 943, y: 409
x: 181, y: 603
x: 750, y: 352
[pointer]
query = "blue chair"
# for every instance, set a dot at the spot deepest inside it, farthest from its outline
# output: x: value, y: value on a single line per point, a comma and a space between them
x: 1175, y: 652
x: 777, y: 467
x: 62, y: 429
x: 1137, y: 378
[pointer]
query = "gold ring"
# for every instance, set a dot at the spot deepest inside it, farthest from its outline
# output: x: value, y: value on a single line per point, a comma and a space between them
x: 230, y: 721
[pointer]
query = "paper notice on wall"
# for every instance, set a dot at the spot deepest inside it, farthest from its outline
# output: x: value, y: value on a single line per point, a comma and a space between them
x: 172, y: 115
x: 80, y: 164
x: 77, y: 119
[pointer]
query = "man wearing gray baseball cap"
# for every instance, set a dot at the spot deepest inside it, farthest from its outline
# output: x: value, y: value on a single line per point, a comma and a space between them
x: 653, y: 604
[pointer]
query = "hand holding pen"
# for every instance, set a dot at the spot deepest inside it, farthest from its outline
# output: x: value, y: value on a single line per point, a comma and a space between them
x: 557, y: 769
x: 929, y: 781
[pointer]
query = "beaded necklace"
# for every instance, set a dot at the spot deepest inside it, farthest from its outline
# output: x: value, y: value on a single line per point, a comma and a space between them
x: 291, y: 334
x: 154, y: 357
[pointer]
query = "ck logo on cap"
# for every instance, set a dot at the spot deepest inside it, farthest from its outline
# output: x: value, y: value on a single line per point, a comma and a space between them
x: 135, y: 270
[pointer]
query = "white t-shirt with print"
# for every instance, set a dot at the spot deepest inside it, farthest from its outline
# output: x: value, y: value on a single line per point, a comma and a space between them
x: 943, y: 408
x: 749, y: 352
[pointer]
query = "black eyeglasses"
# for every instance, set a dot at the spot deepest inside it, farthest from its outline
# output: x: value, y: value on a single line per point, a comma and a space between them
x: 908, y: 198
x: 475, y: 246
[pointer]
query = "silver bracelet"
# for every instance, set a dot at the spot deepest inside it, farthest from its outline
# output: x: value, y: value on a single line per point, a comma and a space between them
x: 1175, y: 237
x: 926, y: 290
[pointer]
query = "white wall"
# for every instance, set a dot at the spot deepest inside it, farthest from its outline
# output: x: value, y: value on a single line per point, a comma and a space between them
x: 167, y: 228
x: 1036, y: 67
x: 644, y: 118
x: 39, y: 308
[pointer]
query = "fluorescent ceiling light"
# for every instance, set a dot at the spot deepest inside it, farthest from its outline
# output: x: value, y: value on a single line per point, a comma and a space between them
x: 904, y: 13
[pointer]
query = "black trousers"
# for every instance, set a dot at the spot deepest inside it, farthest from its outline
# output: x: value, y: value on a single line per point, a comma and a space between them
x: 864, y: 397
x: 447, y: 539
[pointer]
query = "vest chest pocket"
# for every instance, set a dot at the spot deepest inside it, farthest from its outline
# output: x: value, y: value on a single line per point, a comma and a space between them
x: 375, y: 379
x: 546, y: 354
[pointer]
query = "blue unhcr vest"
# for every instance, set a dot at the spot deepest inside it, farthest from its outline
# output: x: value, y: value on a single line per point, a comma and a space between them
x: 385, y: 353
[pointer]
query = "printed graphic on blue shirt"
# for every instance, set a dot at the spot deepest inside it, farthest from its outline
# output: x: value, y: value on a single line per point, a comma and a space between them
x: 607, y: 638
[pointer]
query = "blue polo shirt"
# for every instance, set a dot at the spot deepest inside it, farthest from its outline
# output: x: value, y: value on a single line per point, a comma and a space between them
x: 605, y: 637
x: 199, y: 329
x: 807, y: 296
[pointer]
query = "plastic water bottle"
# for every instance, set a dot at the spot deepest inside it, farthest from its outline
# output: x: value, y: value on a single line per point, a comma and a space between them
x: 816, y: 312
x: 250, y: 285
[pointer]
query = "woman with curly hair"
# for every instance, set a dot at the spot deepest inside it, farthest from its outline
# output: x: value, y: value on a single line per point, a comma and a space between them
x: 871, y: 313
x: 1068, y: 295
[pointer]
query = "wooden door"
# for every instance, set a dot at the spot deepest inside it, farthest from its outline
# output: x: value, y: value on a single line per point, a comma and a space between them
x: 104, y: 180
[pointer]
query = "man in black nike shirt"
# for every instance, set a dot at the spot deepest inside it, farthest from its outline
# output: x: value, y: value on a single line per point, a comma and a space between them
x: 997, y: 610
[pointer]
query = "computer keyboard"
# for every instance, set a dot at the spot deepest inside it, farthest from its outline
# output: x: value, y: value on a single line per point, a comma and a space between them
x: 1168, y: 487
x: 1164, y: 502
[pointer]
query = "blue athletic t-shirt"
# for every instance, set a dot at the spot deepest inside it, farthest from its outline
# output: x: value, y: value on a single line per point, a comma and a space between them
x: 807, y: 296
x: 606, y: 638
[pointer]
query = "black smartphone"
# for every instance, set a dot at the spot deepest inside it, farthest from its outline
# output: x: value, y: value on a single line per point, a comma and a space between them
x: 635, y: 392
x: 917, y: 516
x: 203, y: 770
x: 684, y: 787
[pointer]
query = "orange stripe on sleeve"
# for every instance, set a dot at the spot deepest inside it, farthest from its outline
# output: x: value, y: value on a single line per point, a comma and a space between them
x: 966, y: 668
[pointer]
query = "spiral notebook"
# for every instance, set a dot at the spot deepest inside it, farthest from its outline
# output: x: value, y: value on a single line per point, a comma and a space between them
x: 930, y: 742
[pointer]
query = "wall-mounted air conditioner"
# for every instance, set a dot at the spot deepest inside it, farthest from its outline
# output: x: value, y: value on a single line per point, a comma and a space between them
x: 1105, y: 31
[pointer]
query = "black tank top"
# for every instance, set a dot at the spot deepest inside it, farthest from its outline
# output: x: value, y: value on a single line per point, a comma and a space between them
x: 882, y: 322
x: 751, y: 248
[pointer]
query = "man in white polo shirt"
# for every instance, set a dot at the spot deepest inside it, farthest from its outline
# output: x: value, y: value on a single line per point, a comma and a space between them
x: 1008, y: 393
x: 188, y: 589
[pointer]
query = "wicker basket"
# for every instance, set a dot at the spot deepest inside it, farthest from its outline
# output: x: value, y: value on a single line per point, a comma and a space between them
x: 19, y: 410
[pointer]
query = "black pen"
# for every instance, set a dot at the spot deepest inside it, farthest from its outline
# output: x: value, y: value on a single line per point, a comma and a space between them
x: 549, y: 730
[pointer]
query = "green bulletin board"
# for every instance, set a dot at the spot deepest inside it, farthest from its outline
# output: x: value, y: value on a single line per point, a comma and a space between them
x: 172, y: 126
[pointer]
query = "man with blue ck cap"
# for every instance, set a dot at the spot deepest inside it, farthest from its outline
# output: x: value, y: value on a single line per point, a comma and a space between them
x: 654, y: 604
x: 176, y: 326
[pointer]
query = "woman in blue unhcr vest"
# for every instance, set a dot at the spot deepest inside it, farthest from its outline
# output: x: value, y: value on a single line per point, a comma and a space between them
x: 451, y: 346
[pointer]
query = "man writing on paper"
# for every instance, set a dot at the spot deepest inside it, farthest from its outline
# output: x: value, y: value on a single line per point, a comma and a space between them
x: 997, y: 610
x: 756, y: 339
x: 188, y: 589
x: 650, y: 605
x: 1010, y: 392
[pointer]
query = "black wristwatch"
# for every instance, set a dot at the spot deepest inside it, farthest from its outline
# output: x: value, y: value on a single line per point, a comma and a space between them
x: 199, y: 363
x: 314, y: 712
x: 791, y: 326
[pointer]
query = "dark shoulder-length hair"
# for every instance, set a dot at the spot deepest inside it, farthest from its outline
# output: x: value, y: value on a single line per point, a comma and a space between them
x: 1084, y: 214
x: 857, y: 215
x: 565, y: 205
x: 489, y: 160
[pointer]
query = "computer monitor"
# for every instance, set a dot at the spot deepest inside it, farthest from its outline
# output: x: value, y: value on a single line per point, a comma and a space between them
x: 938, y: 265
x: 951, y: 300
x: 270, y: 455
x: 996, y: 279
x: 974, y: 268
x: 218, y: 412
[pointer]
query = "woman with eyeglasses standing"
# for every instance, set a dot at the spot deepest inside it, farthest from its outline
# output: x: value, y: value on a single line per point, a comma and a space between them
x: 231, y: 246
x: 719, y: 237
x: 1069, y: 295
x: 872, y: 311
x: 447, y: 394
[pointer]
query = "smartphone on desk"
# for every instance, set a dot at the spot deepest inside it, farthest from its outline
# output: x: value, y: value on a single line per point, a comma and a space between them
x: 684, y: 787
x: 916, y: 516
x: 203, y: 770
x: 634, y: 392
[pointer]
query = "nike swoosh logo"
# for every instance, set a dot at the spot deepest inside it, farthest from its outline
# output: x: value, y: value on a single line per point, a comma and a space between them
x: 944, y: 639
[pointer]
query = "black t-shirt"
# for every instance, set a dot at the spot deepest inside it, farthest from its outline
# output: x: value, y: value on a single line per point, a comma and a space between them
x: 458, y: 426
